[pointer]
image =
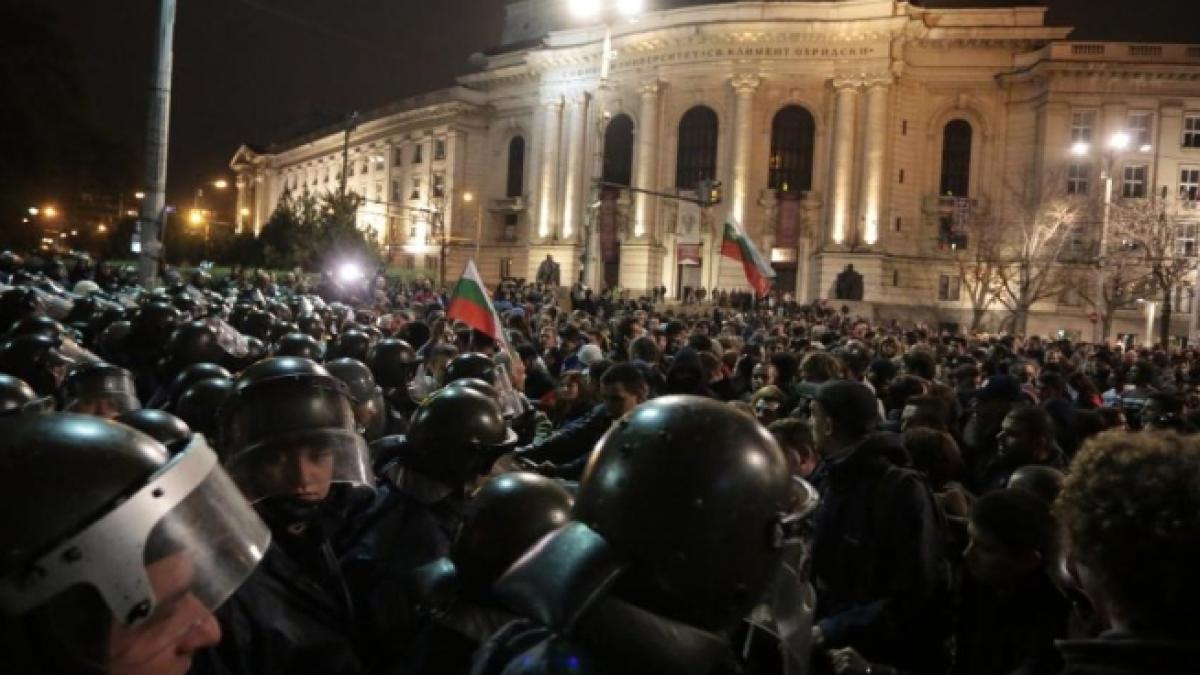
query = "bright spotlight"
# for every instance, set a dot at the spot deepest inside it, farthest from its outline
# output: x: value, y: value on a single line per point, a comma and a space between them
x: 1080, y: 148
x: 628, y: 8
x: 349, y: 272
x: 1119, y: 141
x: 585, y: 10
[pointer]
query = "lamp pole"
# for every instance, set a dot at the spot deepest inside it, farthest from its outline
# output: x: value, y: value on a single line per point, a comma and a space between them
x: 605, y: 11
x: 150, y: 220
x: 1117, y: 144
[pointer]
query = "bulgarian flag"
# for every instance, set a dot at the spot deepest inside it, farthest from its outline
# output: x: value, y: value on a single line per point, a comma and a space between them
x: 469, y: 303
x: 737, y: 245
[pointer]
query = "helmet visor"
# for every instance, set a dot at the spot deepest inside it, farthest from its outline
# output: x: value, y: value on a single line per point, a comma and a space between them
x: 304, y: 465
x: 106, y: 405
x: 159, y: 564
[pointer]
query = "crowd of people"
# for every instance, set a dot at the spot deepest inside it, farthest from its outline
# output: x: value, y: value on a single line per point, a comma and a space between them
x: 253, y: 475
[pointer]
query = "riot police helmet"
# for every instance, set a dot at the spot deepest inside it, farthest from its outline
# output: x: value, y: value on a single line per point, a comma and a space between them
x: 160, y: 425
x: 473, y: 365
x: 300, y: 345
x: 113, y: 550
x: 393, y: 362
x: 457, y: 433
x: 100, y: 389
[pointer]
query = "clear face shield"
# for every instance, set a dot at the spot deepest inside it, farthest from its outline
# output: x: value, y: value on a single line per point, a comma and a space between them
x: 512, y: 403
x: 785, y: 614
x: 126, y: 590
x: 303, y: 466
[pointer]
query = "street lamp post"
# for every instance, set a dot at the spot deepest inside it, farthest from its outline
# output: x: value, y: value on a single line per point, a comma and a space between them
x: 606, y: 11
x: 1118, y: 143
x: 469, y: 197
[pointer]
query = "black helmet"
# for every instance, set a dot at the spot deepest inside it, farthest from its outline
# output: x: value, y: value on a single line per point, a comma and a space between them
x: 88, y: 503
x: 18, y: 303
x: 471, y: 364
x: 16, y: 395
x: 393, y: 363
x: 353, y: 344
x: 189, y: 376
x: 312, y: 325
x: 37, y: 324
x: 193, y: 342
x: 99, y: 389
x: 279, y: 408
x: 256, y: 350
x: 163, y: 427
x: 457, y: 433
x: 505, y: 517
x: 112, y: 345
x: 258, y: 323
x: 369, y: 407
x: 10, y: 262
x: 154, y: 324
x: 693, y: 494
x: 281, y: 329
x: 300, y: 345
x: 200, y: 405
x: 35, y: 359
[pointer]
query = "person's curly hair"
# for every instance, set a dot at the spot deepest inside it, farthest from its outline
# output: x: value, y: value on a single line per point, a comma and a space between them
x: 1131, y: 513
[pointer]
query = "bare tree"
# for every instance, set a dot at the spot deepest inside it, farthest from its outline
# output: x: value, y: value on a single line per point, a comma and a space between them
x: 1030, y: 246
x: 978, y: 266
x: 1161, y: 244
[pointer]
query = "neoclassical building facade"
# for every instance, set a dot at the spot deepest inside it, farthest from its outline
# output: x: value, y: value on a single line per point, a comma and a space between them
x: 857, y: 132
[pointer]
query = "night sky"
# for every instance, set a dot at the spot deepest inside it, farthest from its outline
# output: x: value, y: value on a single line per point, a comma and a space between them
x: 257, y: 70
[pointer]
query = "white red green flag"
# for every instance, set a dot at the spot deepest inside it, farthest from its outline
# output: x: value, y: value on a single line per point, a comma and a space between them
x: 737, y: 245
x: 469, y: 303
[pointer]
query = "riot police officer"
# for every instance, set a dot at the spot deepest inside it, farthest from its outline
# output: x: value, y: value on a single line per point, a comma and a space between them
x: 370, y: 410
x: 679, y: 527
x: 288, y: 438
x: 394, y: 362
x: 99, y: 389
x: 124, y: 575
x: 504, y: 518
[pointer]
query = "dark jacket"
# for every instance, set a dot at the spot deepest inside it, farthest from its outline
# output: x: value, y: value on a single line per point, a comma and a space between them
x: 879, y: 560
x: 327, y: 597
x: 573, y: 441
x: 1011, y: 633
x: 1123, y: 654
x: 614, y: 638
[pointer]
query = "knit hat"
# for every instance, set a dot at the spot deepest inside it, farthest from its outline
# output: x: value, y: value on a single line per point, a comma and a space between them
x: 589, y: 354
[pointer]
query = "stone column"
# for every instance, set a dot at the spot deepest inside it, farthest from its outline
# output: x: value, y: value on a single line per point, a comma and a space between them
x: 644, y: 168
x: 548, y: 186
x: 242, y: 209
x: 744, y: 87
x: 842, y: 159
x: 573, y: 187
x: 870, y: 195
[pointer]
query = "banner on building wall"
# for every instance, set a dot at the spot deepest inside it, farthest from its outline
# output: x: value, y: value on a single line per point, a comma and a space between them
x: 687, y: 225
x: 787, y: 229
x: 610, y: 248
x: 688, y: 254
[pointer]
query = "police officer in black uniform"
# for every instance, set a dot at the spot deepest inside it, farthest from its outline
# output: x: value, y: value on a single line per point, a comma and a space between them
x: 679, y: 528
x: 114, y: 554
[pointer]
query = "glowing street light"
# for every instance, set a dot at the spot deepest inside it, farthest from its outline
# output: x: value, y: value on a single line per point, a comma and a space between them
x: 1119, y: 141
x: 139, y: 195
x: 630, y: 8
x: 196, y: 217
x: 220, y: 183
x: 1081, y: 148
x: 585, y: 10
x: 49, y: 211
x: 33, y: 210
x: 102, y: 228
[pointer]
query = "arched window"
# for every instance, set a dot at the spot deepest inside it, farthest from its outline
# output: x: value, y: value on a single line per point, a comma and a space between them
x: 696, y: 156
x: 516, y: 167
x: 618, y: 151
x: 956, y: 159
x: 791, y: 162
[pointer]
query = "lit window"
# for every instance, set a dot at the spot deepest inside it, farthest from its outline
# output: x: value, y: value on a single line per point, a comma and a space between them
x: 1082, y: 124
x: 1191, y: 131
x: 438, y: 186
x: 949, y: 286
x: 1189, y: 184
x: 415, y: 193
x: 1133, y: 185
x: 1078, y: 176
x: 439, y: 149
x: 1140, y: 129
